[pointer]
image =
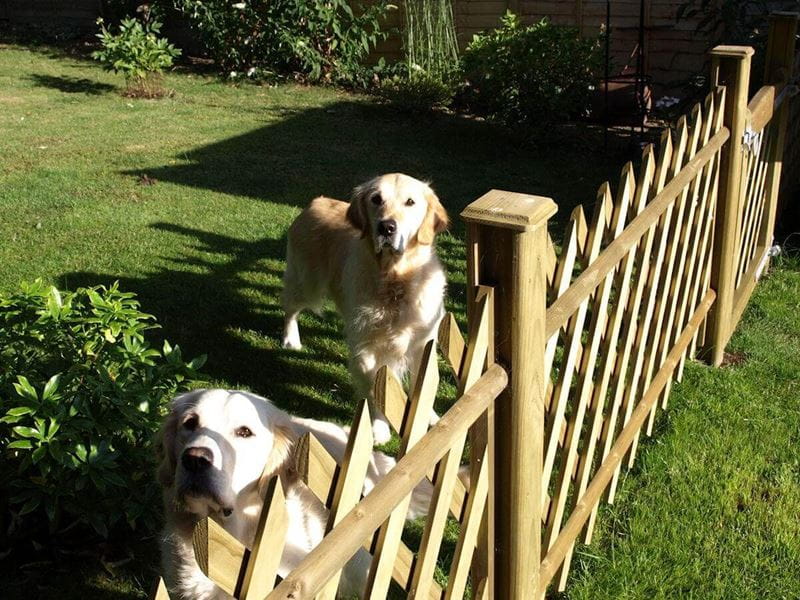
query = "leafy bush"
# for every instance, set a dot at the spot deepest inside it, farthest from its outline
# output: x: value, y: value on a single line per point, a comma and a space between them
x: 321, y: 40
x: 530, y: 75
x: 417, y: 92
x: 138, y: 53
x: 81, y: 394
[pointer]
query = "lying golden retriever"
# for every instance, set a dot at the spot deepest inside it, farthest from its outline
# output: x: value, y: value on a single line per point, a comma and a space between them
x: 218, y: 449
x: 375, y: 258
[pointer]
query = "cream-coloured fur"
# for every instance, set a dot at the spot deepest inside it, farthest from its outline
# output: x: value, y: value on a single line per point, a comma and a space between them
x: 388, y: 286
x: 246, y: 440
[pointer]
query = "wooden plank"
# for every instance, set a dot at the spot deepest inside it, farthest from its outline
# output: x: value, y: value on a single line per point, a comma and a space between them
x: 573, y: 341
x: 608, y: 352
x: 730, y: 67
x: 761, y: 107
x: 265, y: 559
x: 341, y: 544
x: 432, y: 537
x: 350, y: 483
x: 564, y: 307
x: 388, y: 539
x: 601, y: 479
x: 459, y: 570
x: 689, y: 246
x: 327, y: 469
x: 226, y: 556
x: 629, y: 388
x: 160, y: 591
x: 390, y: 398
x: 585, y: 382
x: 452, y: 344
x: 701, y: 257
x: 315, y: 467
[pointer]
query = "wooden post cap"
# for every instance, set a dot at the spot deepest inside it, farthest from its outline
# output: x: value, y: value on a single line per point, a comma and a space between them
x: 732, y: 51
x: 510, y: 210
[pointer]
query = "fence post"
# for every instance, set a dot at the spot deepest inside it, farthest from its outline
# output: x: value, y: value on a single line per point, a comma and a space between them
x: 506, y: 248
x: 778, y: 69
x: 730, y: 67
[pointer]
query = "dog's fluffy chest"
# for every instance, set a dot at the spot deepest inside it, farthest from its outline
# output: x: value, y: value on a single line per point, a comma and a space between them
x: 400, y: 303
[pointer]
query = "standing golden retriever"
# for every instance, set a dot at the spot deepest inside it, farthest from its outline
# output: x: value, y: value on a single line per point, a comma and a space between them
x: 218, y: 449
x: 375, y: 258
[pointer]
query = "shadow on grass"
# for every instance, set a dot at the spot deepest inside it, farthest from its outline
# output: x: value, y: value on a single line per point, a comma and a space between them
x: 72, y: 85
x: 213, y: 306
x: 221, y: 295
x: 301, y: 154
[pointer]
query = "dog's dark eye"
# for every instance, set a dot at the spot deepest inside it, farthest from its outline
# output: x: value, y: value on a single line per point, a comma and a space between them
x: 244, y: 432
x: 191, y: 423
x: 376, y: 199
x: 410, y: 202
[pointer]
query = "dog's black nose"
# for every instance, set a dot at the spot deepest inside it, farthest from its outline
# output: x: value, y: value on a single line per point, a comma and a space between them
x: 387, y: 227
x: 197, y: 458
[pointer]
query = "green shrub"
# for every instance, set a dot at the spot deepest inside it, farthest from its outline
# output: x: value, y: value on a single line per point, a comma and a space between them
x: 417, y: 92
x: 319, y: 40
x: 530, y: 76
x: 81, y: 394
x: 138, y: 53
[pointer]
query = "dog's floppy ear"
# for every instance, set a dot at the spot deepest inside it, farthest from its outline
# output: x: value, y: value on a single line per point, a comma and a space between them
x: 436, y: 219
x: 283, y: 443
x: 165, y: 439
x: 357, y: 211
x: 165, y: 450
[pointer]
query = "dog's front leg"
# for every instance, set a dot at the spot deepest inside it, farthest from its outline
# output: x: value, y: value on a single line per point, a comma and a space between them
x: 182, y: 575
x: 364, y: 369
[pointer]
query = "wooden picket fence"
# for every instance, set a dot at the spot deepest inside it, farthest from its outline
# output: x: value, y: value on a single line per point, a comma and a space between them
x: 569, y: 356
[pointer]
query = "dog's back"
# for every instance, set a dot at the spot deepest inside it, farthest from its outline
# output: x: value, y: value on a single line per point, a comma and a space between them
x: 317, y: 244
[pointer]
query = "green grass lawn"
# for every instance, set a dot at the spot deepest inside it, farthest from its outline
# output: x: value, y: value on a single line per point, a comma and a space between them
x: 186, y: 201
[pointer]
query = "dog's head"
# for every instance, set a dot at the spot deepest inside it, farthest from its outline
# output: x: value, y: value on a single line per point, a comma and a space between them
x: 397, y: 212
x: 215, y: 447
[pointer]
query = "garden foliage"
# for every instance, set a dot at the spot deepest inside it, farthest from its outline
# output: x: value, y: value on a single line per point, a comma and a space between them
x: 137, y: 52
x: 82, y: 393
x: 319, y: 40
x: 529, y: 76
x: 429, y: 74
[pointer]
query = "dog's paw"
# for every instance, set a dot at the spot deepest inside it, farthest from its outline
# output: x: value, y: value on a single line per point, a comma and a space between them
x: 381, y: 431
x: 292, y: 343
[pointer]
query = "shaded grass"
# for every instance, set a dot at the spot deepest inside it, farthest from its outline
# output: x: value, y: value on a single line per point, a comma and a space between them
x: 709, y: 510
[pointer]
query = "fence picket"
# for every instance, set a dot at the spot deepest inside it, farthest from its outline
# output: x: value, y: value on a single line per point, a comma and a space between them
x: 671, y: 158
x: 476, y: 503
x: 219, y: 554
x: 585, y: 383
x: 683, y: 275
x: 265, y: 558
x: 315, y: 467
x: 573, y: 344
x: 326, y: 469
x: 665, y: 307
x: 350, y: 482
x: 615, y: 363
x: 388, y: 540
x: 608, y: 352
